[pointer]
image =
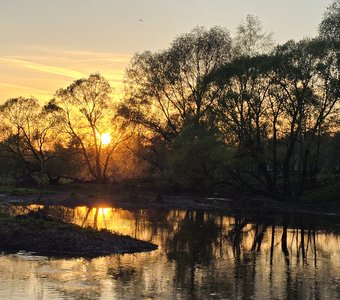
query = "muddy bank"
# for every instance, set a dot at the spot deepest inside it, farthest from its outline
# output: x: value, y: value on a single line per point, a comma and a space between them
x: 47, y: 236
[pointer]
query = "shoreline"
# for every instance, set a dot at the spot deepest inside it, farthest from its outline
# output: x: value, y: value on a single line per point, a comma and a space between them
x: 134, y: 198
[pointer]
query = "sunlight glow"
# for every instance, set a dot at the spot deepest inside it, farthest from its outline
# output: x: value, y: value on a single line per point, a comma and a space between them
x: 104, y: 211
x: 106, y: 138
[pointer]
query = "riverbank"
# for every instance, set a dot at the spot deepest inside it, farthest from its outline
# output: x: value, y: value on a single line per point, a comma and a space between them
x: 47, y: 236
x: 137, y: 197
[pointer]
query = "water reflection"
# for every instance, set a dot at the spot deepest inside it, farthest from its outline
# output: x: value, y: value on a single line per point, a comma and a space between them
x: 201, y: 255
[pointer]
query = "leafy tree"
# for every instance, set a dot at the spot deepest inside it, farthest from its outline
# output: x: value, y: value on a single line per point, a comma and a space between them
x: 168, y: 88
x: 309, y: 79
x: 289, y: 99
x: 243, y: 110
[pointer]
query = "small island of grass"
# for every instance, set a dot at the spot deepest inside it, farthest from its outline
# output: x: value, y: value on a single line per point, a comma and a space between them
x: 51, y: 237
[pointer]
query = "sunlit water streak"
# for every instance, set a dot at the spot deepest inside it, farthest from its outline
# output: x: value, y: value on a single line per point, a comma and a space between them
x: 201, y: 255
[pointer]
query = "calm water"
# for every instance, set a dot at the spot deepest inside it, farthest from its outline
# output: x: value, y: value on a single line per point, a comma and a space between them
x: 201, y: 255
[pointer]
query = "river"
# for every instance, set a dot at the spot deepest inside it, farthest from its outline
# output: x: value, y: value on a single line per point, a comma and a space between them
x: 201, y: 255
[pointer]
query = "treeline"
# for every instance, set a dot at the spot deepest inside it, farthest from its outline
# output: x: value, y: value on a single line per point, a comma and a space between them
x: 208, y: 113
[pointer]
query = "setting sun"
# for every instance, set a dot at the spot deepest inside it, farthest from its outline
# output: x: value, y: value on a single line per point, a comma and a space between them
x: 106, y: 138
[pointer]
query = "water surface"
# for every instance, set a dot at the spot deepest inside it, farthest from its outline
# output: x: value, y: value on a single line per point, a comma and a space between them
x: 201, y: 255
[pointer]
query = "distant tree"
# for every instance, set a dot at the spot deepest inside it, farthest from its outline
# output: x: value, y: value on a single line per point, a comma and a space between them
x: 330, y: 25
x: 250, y: 40
x: 90, y: 121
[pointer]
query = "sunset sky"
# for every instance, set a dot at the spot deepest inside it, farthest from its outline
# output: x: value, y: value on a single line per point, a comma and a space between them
x: 47, y: 44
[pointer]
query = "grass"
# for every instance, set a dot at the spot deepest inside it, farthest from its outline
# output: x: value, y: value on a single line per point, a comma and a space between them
x: 328, y: 192
x: 19, y: 191
x: 46, y: 236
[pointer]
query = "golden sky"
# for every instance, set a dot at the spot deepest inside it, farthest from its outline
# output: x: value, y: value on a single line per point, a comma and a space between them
x: 41, y: 72
x: 45, y: 45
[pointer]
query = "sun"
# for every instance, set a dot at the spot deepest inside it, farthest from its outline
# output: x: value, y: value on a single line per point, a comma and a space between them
x: 106, y: 138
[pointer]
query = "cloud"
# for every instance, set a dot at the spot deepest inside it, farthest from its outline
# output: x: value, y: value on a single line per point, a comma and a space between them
x: 9, y: 90
x: 40, y: 69
x: 40, y: 52
x: 43, y: 68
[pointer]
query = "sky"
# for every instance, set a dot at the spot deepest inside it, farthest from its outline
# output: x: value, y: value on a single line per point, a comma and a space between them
x: 47, y: 44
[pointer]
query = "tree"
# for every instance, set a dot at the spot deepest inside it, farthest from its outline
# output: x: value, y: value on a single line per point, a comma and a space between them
x: 330, y: 25
x: 166, y: 89
x: 89, y: 119
x: 250, y: 39
x: 309, y: 79
x: 198, y: 160
x: 29, y: 134
x: 288, y: 98
x: 243, y: 111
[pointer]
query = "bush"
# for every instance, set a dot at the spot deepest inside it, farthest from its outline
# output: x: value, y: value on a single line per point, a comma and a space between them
x: 197, y: 160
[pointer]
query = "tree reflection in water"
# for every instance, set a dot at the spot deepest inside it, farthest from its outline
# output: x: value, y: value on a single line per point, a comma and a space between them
x: 205, y: 254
